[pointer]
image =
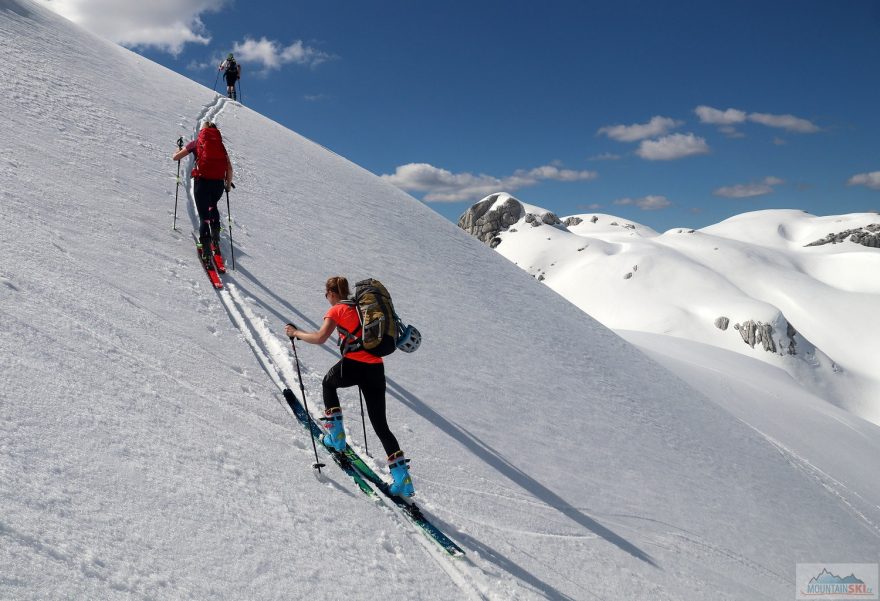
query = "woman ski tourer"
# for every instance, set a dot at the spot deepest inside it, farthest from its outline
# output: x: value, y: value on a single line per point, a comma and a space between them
x: 356, y: 368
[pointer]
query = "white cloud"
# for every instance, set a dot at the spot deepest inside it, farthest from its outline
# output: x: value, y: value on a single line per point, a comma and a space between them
x: 871, y: 180
x: 707, y: 114
x: 731, y: 131
x: 555, y: 173
x: 271, y: 55
x: 652, y: 202
x: 657, y: 126
x: 195, y: 65
x: 749, y: 190
x: 164, y: 24
x: 671, y: 147
x: 786, y: 122
x: 725, y: 120
x: 444, y: 186
x: 729, y: 117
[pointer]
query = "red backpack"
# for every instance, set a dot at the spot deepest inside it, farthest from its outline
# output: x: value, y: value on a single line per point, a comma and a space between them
x: 210, y: 155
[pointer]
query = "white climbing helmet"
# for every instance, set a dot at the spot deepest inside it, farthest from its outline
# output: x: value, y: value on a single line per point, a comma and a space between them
x: 409, y: 340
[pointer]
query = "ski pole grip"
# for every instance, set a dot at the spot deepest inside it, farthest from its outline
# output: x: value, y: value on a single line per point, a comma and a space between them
x: 180, y: 143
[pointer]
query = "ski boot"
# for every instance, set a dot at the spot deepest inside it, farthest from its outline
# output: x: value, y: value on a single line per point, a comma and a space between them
x: 334, y: 432
x: 399, y: 467
x: 204, y: 248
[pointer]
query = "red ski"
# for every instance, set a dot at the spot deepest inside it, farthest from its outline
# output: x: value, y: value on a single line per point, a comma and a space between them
x: 218, y: 259
x: 209, y: 266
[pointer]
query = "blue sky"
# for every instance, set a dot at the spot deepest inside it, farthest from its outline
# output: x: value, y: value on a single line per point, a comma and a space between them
x: 667, y: 113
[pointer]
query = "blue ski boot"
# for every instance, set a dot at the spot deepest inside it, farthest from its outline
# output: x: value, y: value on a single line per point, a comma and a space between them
x: 334, y: 432
x: 399, y: 467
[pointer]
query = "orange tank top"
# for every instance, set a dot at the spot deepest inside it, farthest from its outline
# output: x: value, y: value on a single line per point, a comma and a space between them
x: 347, y: 317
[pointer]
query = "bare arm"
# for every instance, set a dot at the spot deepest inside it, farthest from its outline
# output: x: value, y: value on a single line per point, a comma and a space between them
x: 228, y: 171
x: 319, y: 337
x: 180, y: 154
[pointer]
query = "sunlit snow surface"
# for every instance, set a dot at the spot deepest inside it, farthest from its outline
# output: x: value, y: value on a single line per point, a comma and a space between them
x: 146, y: 452
x: 821, y: 301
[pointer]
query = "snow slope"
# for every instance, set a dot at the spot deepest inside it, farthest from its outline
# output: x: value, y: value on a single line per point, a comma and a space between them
x: 145, y: 449
x: 728, y: 285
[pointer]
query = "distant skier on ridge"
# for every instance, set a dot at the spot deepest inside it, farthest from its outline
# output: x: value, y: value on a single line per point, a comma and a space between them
x: 231, y: 73
x: 356, y: 368
x: 212, y: 174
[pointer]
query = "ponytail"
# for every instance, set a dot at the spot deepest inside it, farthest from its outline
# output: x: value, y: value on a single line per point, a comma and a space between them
x: 339, y: 285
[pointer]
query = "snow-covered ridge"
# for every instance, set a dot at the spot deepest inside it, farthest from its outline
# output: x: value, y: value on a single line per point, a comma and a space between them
x: 761, y: 284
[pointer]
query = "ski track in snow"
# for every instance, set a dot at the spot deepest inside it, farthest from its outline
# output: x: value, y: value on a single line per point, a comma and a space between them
x: 272, y: 356
x: 274, y: 359
x: 832, y: 485
x: 803, y: 465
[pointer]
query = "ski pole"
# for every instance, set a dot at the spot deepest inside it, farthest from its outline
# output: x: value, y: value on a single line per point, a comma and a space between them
x: 364, y: 422
x: 216, y: 79
x: 229, y: 218
x: 302, y: 389
x: 239, y: 94
x: 177, y: 190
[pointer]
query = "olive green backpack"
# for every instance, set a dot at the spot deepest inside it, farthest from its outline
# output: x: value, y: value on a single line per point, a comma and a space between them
x: 378, y: 330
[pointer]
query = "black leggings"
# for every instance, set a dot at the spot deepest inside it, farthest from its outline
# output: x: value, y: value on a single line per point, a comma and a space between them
x: 207, y: 193
x: 370, y: 377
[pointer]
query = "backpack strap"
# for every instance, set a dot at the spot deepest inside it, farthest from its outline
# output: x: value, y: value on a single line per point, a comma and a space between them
x: 350, y: 341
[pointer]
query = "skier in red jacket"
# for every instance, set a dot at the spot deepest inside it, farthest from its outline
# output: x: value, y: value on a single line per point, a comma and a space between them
x: 211, y: 175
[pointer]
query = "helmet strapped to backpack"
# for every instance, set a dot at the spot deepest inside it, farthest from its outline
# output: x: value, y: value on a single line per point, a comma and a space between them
x: 409, y: 339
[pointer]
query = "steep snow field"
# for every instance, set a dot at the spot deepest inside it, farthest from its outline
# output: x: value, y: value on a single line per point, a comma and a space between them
x: 750, y: 284
x: 146, y: 452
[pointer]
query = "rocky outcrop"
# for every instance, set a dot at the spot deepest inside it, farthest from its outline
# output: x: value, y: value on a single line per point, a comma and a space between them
x: 755, y: 332
x: 721, y: 323
x: 484, y: 222
x: 866, y: 236
x: 547, y: 218
x: 485, y: 225
x: 570, y: 221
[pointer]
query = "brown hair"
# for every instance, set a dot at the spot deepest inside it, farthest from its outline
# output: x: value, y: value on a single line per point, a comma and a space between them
x: 339, y: 285
x: 209, y: 124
